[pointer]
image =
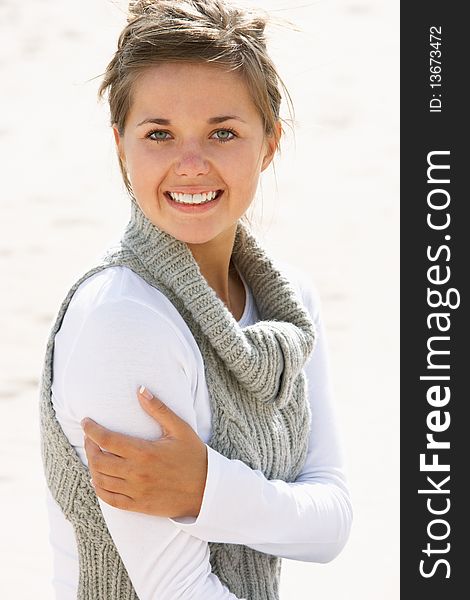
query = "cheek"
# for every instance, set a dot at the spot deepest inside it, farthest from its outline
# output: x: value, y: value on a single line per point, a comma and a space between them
x: 138, y: 156
x: 248, y: 172
x: 241, y: 165
x: 252, y: 157
x: 145, y: 167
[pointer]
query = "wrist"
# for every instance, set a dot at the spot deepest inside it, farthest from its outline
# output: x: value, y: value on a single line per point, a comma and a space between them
x: 198, y: 495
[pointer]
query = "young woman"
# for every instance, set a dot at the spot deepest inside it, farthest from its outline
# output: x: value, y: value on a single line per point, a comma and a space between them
x: 227, y: 459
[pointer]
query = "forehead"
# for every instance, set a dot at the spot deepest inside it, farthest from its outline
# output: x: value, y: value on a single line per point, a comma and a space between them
x: 191, y: 89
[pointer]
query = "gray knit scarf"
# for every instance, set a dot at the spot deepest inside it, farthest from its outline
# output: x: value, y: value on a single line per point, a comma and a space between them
x: 259, y: 404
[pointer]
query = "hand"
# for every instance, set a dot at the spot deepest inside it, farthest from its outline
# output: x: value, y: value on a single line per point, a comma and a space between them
x: 165, y: 477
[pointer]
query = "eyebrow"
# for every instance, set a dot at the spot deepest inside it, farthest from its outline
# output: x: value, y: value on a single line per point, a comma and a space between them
x: 212, y: 120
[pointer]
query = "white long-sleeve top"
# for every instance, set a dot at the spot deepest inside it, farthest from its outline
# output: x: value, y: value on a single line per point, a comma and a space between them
x: 119, y: 333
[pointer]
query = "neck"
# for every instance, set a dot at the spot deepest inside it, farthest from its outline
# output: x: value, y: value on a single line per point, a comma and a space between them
x: 214, y: 260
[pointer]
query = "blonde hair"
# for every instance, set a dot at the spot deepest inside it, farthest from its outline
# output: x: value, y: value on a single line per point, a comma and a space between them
x: 210, y: 31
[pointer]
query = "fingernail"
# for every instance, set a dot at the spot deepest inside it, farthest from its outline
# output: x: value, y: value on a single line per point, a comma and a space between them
x: 145, y: 393
x: 83, y: 422
x: 91, y: 481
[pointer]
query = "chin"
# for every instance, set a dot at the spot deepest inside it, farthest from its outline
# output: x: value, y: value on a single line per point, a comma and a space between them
x: 195, y: 238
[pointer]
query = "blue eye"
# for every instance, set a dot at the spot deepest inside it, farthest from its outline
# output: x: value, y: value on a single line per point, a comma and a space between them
x: 159, y: 135
x: 227, y: 135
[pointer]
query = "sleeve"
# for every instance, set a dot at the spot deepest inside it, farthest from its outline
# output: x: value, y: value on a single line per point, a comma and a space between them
x: 309, y: 519
x: 121, y: 345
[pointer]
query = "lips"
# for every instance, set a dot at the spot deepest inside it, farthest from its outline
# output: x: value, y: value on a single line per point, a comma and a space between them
x: 194, y: 207
x: 194, y: 189
x: 193, y: 197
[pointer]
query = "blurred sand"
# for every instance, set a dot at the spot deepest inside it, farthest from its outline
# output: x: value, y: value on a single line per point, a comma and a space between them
x: 334, y: 213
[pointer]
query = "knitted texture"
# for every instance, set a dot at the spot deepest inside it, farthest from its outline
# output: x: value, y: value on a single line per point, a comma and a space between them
x: 257, y: 389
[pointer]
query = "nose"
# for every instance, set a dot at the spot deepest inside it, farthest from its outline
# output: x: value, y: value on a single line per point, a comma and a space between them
x: 191, y: 162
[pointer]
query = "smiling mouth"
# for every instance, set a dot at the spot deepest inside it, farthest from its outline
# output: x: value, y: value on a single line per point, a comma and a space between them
x: 201, y: 198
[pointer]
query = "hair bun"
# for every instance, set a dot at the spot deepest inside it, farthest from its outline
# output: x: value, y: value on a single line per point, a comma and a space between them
x: 137, y: 8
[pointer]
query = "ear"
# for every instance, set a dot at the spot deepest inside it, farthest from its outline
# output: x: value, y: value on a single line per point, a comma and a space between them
x: 272, y: 142
x: 119, y: 145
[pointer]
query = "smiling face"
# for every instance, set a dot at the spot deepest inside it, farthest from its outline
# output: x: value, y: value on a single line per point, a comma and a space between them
x: 193, y: 146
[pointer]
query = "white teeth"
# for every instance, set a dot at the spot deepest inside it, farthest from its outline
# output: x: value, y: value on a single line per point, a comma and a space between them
x: 193, y: 198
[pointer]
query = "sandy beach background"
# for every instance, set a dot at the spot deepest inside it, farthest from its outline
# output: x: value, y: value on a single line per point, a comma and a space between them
x: 332, y: 210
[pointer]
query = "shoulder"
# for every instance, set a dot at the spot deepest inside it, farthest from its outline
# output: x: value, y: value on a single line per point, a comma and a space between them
x: 122, y: 287
x: 116, y: 310
x: 119, y: 333
x: 304, y: 286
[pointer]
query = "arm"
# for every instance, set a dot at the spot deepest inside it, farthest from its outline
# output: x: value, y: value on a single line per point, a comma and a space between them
x: 307, y: 520
x: 119, y: 346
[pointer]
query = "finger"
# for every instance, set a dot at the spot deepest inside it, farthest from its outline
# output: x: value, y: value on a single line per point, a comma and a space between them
x: 104, y: 462
x: 169, y: 421
x: 117, y: 443
x: 117, y: 500
x: 115, y: 485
